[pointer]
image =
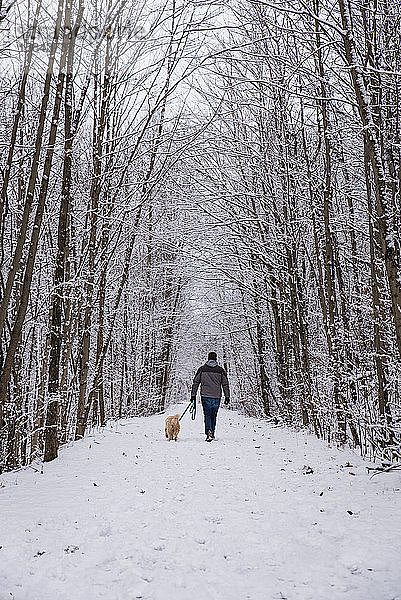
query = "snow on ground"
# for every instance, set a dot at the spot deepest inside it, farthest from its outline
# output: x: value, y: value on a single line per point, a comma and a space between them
x: 124, y: 515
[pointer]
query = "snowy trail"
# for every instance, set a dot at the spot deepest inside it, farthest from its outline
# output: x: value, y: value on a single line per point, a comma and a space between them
x: 125, y: 514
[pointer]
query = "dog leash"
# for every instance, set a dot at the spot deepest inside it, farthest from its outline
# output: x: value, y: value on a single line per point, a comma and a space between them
x: 192, y: 406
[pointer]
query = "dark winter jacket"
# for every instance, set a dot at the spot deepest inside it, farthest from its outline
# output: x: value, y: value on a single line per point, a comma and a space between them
x: 211, y: 378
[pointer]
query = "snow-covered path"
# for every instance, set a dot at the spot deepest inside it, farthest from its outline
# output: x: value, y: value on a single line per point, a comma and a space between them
x: 125, y: 514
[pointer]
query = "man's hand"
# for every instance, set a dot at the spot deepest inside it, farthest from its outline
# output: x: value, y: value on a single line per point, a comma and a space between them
x: 227, y: 401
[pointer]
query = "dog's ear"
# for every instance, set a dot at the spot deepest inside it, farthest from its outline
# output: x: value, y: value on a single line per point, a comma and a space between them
x: 178, y: 416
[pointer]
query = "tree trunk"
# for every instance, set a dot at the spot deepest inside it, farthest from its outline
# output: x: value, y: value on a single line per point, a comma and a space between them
x: 51, y: 437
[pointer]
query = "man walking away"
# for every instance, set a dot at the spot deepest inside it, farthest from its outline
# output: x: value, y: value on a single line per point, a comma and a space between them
x: 211, y: 377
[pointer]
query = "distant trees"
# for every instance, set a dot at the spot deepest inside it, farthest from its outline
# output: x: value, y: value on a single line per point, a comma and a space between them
x: 157, y: 166
x: 303, y: 159
x: 91, y: 282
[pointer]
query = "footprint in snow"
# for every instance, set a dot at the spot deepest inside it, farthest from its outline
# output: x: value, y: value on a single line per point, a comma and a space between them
x: 159, y: 547
x: 71, y: 549
x: 214, y: 519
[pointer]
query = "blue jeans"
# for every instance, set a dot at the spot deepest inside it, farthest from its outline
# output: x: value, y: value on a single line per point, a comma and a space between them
x: 210, y: 410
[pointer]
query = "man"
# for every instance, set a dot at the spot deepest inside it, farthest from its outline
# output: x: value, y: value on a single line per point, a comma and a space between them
x: 211, y: 378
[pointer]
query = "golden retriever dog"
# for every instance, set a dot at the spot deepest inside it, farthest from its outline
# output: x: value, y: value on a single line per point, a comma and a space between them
x: 172, y: 428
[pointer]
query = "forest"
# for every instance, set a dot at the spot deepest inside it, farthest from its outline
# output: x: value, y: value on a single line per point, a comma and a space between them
x: 184, y: 175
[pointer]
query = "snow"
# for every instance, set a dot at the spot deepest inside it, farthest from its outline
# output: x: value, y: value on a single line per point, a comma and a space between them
x: 124, y: 514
